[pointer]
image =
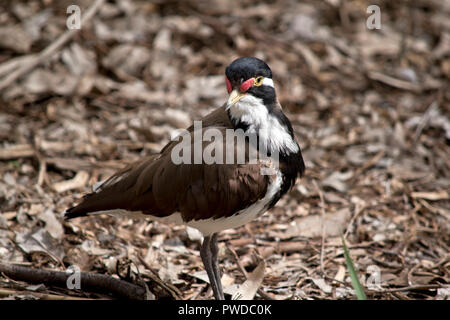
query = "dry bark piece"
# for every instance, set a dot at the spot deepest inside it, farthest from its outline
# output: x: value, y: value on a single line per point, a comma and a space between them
x: 17, y: 151
x: 79, y: 181
x: 89, y: 282
x: 434, y: 196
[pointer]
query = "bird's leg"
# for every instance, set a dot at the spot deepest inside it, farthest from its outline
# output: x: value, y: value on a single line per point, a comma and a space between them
x: 207, y: 257
x: 215, y: 265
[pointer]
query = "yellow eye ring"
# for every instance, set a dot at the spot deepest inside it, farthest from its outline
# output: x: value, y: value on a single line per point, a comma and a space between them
x: 258, y: 81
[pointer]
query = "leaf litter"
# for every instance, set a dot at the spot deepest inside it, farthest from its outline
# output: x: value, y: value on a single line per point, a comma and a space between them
x: 370, y: 109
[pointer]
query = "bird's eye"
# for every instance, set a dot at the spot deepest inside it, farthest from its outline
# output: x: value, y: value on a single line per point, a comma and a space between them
x: 258, y: 81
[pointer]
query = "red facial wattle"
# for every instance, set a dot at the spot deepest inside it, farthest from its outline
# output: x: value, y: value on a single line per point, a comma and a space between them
x: 247, y: 84
x: 229, y: 87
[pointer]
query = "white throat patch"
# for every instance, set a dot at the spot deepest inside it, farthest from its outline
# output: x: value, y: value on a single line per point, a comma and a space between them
x: 274, y: 136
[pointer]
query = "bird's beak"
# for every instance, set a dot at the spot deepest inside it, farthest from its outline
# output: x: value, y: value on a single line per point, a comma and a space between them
x: 235, y: 96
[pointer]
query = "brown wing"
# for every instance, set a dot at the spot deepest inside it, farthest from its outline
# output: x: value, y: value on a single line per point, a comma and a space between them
x: 157, y: 186
x: 207, y: 190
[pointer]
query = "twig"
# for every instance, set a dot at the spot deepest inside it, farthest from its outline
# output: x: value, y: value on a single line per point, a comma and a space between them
x: 45, y: 54
x: 39, y: 295
x: 358, y: 210
x: 322, y: 212
x: 90, y: 282
x: 409, y: 288
x: 240, y: 242
x: 17, y: 151
x: 82, y: 164
x: 8, y: 66
x: 237, y: 261
x: 394, y: 82
x: 42, y: 162
x: 410, y: 273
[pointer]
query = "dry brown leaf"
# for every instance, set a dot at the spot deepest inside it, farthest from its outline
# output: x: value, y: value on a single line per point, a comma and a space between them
x: 52, y: 224
x: 311, y: 226
x: 248, y: 289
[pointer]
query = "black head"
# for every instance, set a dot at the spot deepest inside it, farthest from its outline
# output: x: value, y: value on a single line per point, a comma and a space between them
x: 246, y: 68
x: 247, y: 76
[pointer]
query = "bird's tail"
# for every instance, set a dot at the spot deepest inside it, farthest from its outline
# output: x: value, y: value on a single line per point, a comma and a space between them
x: 73, y: 213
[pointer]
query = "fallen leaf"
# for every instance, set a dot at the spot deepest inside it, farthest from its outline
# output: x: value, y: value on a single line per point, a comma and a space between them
x: 248, y: 289
x: 52, y: 225
x: 311, y: 226
x: 322, y: 285
x: 39, y: 241
x: 336, y: 180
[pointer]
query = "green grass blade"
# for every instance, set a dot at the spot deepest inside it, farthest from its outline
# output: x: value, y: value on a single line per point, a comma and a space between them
x: 360, y: 294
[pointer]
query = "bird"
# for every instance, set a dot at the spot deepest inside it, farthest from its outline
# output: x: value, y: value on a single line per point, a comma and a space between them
x: 175, y: 186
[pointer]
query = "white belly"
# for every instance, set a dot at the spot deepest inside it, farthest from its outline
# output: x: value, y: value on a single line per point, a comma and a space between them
x: 210, y: 226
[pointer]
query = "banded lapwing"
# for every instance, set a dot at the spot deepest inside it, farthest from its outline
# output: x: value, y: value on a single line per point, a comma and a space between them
x: 182, y: 186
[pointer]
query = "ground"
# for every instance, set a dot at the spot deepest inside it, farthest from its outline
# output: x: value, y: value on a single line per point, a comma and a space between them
x: 370, y: 109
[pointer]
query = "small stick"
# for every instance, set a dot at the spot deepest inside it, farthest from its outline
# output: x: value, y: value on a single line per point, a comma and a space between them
x: 322, y: 211
x: 237, y: 261
x: 91, y: 282
x: 410, y: 288
x: 39, y: 295
x: 358, y: 210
